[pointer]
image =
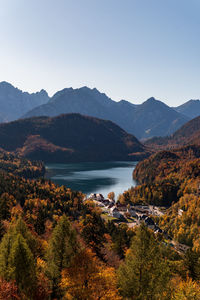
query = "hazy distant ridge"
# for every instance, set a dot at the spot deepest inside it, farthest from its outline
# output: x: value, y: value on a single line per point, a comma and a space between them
x: 151, y: 118
x: 146, y: 120
x: 14, y: 103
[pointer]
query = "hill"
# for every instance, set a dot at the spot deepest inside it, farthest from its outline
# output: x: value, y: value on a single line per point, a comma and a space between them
x: 152, y: 118
x: 14, y: 103
x: 69, y: 138
x: 12, y: 164
x: 191, y: 109
x: 188, y: 134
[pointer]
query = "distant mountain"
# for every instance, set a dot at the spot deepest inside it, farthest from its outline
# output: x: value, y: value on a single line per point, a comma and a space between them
x: 152, y: 118
x: 188, y: 134
x: 14, y: 103
x: 190, y: 109
x: 69, y: 138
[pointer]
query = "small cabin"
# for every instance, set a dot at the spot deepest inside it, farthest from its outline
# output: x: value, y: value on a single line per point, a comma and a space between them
x: 132, y: 212
x: 149, y: 223
x: 99, y: 197
x: 114, y: 212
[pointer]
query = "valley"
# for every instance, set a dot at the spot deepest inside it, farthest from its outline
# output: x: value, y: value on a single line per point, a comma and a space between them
x: 99, y: 150
x: 76, y: 188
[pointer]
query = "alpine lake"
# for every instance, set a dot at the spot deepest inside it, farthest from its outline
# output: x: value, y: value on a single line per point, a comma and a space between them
x: 94, y: 177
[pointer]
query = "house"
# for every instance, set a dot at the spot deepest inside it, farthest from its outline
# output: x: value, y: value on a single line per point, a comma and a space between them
x: 149, y: 223
x: 114, y: 212
x: 121, y: 207
x: 99, y: 197
x: 180, y: 212
x: 111, y: 204
x: 142, y: 217
x: 107, y: 202
x: 157, y: 229
x: 92, y: 196
x: 132, y: 212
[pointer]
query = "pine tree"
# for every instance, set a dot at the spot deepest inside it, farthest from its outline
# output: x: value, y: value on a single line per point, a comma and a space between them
x: 4, y: 206
x: 21, y: 227
x: 22, y: 266
x: 8, y: 268
x: 144, y: 274
x: 62, y: 248
x: 192, y: 263
x: 5, y: 248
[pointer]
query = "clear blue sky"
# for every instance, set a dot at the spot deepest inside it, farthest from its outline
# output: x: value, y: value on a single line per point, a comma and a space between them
x: 129, y: 49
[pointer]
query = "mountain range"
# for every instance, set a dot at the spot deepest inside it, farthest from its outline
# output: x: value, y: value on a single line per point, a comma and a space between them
x: 69, y: 138
x: 151, y: 118
x: 146, y: 120
x: 14, y: 103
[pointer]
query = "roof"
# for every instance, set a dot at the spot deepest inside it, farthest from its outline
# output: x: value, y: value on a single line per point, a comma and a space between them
x: 114, y: 208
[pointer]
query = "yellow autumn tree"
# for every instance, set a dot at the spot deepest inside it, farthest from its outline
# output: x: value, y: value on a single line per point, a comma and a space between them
x: 187, y: 290
x: 89, y: 279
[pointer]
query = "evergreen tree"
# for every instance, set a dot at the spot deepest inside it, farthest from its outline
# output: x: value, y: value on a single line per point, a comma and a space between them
x: 5, y: 248
x: 192, y: 263
x: 5, y: 206
x: 7, y: 244
x: 144, y: 274
x: 21, y: 227
x: 22, y: 266
x: 62, y: 248
x: 93, y: 232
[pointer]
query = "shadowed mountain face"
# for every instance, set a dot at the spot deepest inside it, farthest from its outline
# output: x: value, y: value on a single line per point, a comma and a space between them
x: 70, y: 138
x: 191, y: 109
x: 152, y: 118
x: 14, y: 103
x: 188, y: 134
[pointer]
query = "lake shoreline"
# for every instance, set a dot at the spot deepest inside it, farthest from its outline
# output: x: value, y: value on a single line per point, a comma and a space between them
x: 93, y: 177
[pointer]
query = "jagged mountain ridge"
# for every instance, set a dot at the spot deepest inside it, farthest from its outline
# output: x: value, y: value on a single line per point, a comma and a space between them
x: 14, y: 103
x: 152, y: 118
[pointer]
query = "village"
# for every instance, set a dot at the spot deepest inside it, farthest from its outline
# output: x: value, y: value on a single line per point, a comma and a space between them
x: 133, y: 215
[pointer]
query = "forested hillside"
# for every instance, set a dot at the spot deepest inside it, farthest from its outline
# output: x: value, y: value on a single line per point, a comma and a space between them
x: 21, y: 166
x: 188, y: 134
x: 69, y: 138
x: 171, y: 179
x: 54, y: 245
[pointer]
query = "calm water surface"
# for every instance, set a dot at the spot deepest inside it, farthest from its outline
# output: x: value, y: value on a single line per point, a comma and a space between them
x: 94, y: 177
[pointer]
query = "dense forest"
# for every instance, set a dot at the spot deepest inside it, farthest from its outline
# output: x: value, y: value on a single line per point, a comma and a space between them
x: 171, y: 179
x: 55, y: 245
x: 70, y: 138
x: 188, y: 134
x: 21, y: 166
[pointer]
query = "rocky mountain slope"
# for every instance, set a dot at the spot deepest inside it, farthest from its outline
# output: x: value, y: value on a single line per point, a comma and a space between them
x: 191, y: 108
x: 152, y: 118
x: 14, y: 103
